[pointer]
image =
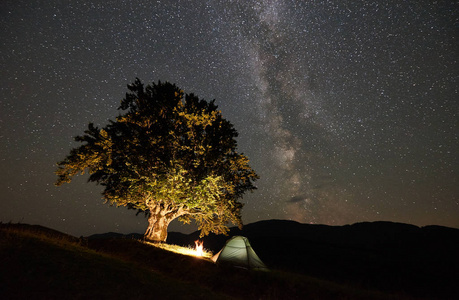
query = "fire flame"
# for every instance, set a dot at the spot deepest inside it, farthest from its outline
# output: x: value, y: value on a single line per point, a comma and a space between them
x: 199, y: 248
x: 197, y: 251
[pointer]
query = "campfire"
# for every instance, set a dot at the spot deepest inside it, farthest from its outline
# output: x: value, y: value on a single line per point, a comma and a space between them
x: 197, y: 251
x: 199, y: 248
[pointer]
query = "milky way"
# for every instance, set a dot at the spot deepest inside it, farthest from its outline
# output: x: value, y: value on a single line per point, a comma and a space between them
x: 347, y: 110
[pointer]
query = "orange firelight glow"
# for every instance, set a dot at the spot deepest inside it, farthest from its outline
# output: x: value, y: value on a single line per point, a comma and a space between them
x: 199, y: 247
x: 190, y: 250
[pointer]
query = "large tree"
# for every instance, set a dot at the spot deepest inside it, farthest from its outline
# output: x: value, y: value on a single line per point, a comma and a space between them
x: 168, y: 154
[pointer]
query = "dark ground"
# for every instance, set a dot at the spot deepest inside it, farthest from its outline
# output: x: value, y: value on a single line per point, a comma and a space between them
x: 379, y: 260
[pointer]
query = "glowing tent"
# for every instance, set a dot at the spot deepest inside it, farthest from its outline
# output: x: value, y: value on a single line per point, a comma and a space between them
x: 238, y: 252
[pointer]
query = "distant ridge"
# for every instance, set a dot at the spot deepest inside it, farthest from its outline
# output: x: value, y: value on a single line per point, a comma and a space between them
x: 362, y: 233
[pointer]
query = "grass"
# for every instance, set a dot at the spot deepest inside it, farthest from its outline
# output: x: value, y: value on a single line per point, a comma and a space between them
x: 190, y: 251
x: 36, y: 265
x: 39, y: 263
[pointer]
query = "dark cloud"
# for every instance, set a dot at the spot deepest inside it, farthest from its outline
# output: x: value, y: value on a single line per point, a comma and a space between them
x: 296, y: 199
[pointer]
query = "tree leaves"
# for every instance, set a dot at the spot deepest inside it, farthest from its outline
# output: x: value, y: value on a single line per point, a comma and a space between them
x: 169, y: 152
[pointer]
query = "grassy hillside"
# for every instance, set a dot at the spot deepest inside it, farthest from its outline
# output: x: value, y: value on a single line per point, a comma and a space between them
x: 42, y: 264
x: 39, y: 263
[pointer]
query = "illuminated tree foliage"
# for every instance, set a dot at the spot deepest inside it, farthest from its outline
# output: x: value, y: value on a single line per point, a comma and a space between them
x: 170, y: 155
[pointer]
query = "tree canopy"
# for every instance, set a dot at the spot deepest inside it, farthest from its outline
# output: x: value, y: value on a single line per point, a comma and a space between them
x: 169, y: 154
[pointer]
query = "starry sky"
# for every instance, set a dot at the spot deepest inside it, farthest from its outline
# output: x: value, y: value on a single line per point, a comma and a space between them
x: 347, y: 110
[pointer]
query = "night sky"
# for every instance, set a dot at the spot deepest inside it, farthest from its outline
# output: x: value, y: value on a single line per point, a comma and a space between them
x: 347, y: 110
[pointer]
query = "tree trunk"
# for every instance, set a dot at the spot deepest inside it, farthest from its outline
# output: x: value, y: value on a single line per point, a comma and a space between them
x: 157, y: 227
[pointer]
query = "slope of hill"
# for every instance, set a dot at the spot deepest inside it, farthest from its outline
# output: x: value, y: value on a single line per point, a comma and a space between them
x: 38, y: 263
